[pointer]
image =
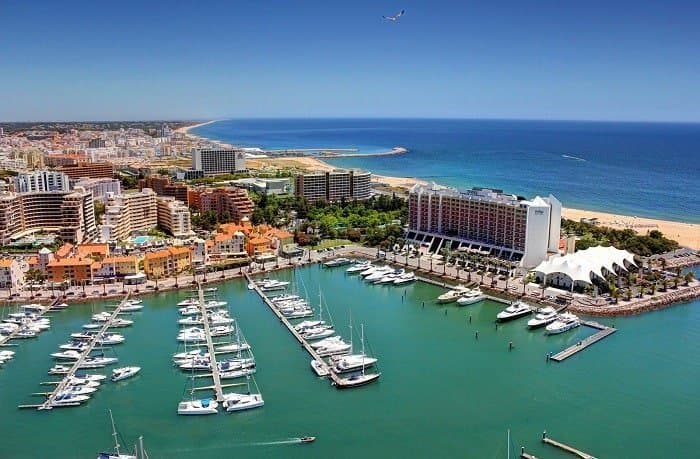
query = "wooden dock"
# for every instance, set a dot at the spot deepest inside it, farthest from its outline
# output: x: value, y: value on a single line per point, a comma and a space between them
x: 312, y: 352
x: 217, y: 387
x: 76, y: 365
x: 603, y: 332
x: 4, y: 340
x: 565, y: 447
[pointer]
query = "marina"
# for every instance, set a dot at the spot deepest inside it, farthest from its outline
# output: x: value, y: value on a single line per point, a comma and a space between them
x: 38, y: 313
x: 603, y: 332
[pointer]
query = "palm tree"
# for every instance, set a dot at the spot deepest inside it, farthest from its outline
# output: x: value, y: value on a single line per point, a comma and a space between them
x: 615, y: 293
x: 676, y: 279
x: 689, y: 276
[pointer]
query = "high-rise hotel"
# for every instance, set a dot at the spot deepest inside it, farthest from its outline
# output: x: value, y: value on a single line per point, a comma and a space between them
x: 218, y: 161
x: 503, y: 225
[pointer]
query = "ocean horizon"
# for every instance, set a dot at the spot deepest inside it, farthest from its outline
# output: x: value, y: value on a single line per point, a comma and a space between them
x: 646, y: 169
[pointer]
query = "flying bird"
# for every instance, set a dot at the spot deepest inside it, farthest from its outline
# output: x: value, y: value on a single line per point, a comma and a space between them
x: 395, y: 17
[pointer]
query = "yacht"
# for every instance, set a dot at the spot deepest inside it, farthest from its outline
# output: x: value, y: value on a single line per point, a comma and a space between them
x: 189, y: 310
x: 119, y: 374
x: 514, y: 311
x: 233, y: 347
x: 75, y: 346
x: 285, y: 297
x: 26, y: 333
x: 8, y: 328
x: 60, y: 306
x: 370, y: 270
x: 327, y: 341
x: 312, y: 334
x: 405, y: 278
x: 92, y: 326
x: 233, y: 374
x: 129, y: 306
x: 120, y: 323
x: 353, y: 362
x: 68, y: 399
x: 240, y: 402
x: 97, y: 362
x: 84, y: 336
x: 101, y: 316
x: 379, y: 273
x: 189, y: 355
x: 80, y: 379
x: 389, y: 278
x: 342, y: 261
x: 333, y: 349
x: 299, y: 313
x: 110, y: 339
x: 34, y: 307
x: 67, y: 355
x: 301, y: 326
x: 272, y: 284
x: 214, y: 304
x: 198, y: 407
x: 59, y: 370
x: 564, y: 322
x: 83, y: 389
x: 134, y: 301
x: 6, y: 355
x: 544, y: 316
x: 452, y: 295
x: 359, y: 267
x: 471, y: 297
x: 116, y: 454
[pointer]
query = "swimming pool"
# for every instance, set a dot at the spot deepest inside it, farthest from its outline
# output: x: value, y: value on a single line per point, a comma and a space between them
x: 141, y: 239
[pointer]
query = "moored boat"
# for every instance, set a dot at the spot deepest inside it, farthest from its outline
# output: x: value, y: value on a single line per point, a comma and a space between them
x: 471, y: 297
x: 564, y: 322
x: 514, y: 311
x: 544, y: 316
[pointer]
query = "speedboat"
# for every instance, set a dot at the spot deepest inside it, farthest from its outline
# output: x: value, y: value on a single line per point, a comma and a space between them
x: 359, y: 267
x: 564, y: 322
x: 544, y: 316
x: 59, y: 370
x: 130, y: 307
x: 68, y: 399
x: 354, y: 362
x: 342, y: 261
x: 214, y: 304
x: 110, y: 339
x: 514, y: 311
x: 67, y: 355
x: 452, y: 295
x: 405, y: 278
x: 272, y: 284
x: 320, y: 368
x: 307, y: 439
x: 119, y: 374
x: 120, y: 323
x: 189, y: 310
x: 471, y: 297
x: 198, y: 407
x: 240, y: 402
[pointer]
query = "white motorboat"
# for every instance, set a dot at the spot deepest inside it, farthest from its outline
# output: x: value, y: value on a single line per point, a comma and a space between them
x: 97, y: 362
x: 120, y: 323
x: 7, y: 328
x: 240, y: 402
x: 320, y: 368
x: 119, y: 374
x: 83, y: 382
x: 268, y: 285
x: 379, y: 273
x: 327, y: 341
x: 359, y: 267
x: 198, y: 407
x: 370, y: 270
x: 312, y: 334
x: 544, y: 316
x: 191, y: 337
x: 342, y: 261
x: 234, y: 347
x: 236, y: 364
x: 333, y: 349
x: 75, y: 346
x: 116, y: 454
x: 83, y: 389
x: 60, y: 306
x: 131, y: 307
x: 405, y: 278
x: 452, y: 295
x: 189, y: 302
x: 34, y: 307
x: 221, y: 330
x: 189, y: 355
x: 189, y: 310
x: 6, y: 355
x: 68, y: 399
x: 514, y: 311
x: 214, y: 304
x: 101, y: 317
x: 110, y: 339
x: 135, y: 301
x: 564, y: 322
x: 25, y: 332
x: 388, y: 279
x: 59, y: 370
x: 285, y: 297
x: 83, y: 336
x: 92, y: 326
x: 299, y: 313
x: 83, y: 378
x: 471, y: 297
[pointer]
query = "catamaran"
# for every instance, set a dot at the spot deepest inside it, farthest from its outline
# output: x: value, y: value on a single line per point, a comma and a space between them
x: 514, y: 311
x: 240, y: 402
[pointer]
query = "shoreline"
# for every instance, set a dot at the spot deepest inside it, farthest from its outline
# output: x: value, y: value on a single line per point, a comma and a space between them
x: 185, y: 129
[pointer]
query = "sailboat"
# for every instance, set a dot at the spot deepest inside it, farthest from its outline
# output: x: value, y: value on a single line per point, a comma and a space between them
x: 353, y: 362
x: 197, y: 406
x: 240, y: 402
x: 116, y: 454
x: 318, y: 331
x: 359, y: 378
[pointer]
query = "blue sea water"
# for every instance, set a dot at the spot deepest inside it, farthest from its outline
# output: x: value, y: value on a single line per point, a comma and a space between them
x: 643, y: 169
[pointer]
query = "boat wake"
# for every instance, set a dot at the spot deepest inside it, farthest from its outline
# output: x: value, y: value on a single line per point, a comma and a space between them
x: 287, y: 441
x: 573, y: 158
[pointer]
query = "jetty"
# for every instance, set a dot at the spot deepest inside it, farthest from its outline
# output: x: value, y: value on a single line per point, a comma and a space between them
x: 65, y: 382
x: 603, y: 332
x: 312, y: 352
x: 565, y: 447
x: 218, y: 389
x: 4, y: 340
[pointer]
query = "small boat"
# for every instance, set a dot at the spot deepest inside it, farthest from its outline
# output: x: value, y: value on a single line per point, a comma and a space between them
x: 92, y: 326
x: 342, y: 261
x: 405, y: 278
x: 233, y: 374
x: 68, y: 399
x: 471, y: 297
x: 307, y: 439
x: 544, y: 316
x: 452, y: 295
x: 130, y: 307
x: 59, y: 370
x: 514, y: 311
x: 60, y: 306
x: 189, y: 302
x: 564, y: 322
x: 120, y: 323
x: 320, y: 368
x: 198, y: 407
x: 119, y: 374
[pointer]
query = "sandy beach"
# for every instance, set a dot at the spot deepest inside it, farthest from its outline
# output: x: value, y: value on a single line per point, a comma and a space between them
x: 185, y: 129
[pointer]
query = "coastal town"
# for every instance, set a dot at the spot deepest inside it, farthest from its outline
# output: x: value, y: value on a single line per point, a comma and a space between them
x: 91, y: 213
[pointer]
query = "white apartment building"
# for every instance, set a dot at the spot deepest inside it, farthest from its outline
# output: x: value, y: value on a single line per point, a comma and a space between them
x: 126, y: 213
x: 11, y: 274
x: 36, y: 181
x: 101, y: 188
x: 174, y: 217
x: 219, y: 161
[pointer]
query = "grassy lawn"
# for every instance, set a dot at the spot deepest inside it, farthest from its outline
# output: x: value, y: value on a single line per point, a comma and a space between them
x: 324, y: 244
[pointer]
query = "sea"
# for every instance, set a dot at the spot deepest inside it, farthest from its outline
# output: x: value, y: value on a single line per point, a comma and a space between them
x: 637, y: 169
x: 442, y: 391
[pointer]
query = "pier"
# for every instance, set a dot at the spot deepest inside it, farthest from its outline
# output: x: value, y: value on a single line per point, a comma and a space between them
x: 603, y: 332
x: 565, y: 447
x: 218, y: 389
x: 5, y: 339
x: 51, y: 396
x: 312, y: 352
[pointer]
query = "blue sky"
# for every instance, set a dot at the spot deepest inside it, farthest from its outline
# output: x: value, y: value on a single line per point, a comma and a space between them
x: 592, y: 60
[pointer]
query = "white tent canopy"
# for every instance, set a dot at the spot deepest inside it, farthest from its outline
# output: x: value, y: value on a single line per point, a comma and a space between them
x: 581, y: 265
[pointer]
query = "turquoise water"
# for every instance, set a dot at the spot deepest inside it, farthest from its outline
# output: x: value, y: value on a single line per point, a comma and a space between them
x: 442, y: 392
x: 141, y: 239
x: 644, y: 169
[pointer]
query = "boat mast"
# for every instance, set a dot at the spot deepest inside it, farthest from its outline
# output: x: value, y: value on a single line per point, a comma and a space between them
x: 114, y: 433
x: 508, y: 445
x: 362, y: 341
